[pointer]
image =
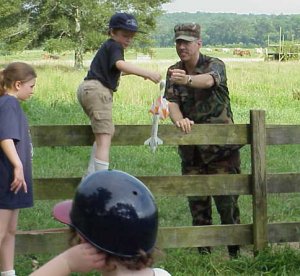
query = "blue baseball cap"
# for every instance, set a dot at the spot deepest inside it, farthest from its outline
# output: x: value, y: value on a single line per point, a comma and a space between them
x: 123, y: 21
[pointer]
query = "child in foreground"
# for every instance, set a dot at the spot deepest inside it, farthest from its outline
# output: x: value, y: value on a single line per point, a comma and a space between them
x: 95, y: 93
x: 17, y: 81
x: 114, y: 217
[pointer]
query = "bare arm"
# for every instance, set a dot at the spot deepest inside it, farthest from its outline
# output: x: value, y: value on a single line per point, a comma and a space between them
x: 10, y: 151
x: 128, y: 68
x: 79, y: 258
x: 185, y: 124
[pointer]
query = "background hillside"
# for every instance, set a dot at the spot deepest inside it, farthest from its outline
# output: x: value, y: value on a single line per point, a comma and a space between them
x: 230, y: 29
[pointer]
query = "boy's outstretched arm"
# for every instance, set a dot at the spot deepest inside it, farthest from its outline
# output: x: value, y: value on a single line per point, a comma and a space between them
x: 128, y: 68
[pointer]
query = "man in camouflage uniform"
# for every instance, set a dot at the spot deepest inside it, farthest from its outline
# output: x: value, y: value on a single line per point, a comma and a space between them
x: 196, y: 88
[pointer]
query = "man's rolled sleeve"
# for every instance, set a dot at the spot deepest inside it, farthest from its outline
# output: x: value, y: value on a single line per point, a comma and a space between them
x: 218, y: 72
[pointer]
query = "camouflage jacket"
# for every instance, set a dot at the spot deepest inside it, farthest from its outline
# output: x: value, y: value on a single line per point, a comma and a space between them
x: 203, y: 105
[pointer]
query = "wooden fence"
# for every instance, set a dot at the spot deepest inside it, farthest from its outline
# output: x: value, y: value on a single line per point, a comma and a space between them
x: 257, y: 184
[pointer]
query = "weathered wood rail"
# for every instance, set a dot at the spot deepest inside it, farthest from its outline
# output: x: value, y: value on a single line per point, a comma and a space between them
x: 256, y: 184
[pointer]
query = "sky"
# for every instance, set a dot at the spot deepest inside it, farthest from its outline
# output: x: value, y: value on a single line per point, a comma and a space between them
x: 235, y: 6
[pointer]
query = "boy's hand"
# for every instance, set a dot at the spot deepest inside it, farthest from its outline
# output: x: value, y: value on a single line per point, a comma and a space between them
x: 154, y: 76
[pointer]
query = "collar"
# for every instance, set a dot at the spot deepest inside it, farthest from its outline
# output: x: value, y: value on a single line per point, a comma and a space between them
x: 199, y: 69
x: 11, y: 94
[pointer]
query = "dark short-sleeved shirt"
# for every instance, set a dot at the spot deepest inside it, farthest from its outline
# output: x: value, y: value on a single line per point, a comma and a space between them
x: 204, y: 106
x: 103, y: 66
x: 13, y: 125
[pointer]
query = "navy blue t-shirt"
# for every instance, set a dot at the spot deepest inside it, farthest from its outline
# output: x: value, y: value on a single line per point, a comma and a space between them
x: 14, y: 125
x: 103, y: 66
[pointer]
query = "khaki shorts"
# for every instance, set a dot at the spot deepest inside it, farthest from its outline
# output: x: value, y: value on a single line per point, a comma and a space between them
x: 96, y: 101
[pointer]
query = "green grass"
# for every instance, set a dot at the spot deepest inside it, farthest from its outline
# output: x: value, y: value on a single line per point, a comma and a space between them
x: 253, y: 85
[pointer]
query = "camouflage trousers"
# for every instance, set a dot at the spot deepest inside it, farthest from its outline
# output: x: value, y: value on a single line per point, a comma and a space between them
x: 201, y: 206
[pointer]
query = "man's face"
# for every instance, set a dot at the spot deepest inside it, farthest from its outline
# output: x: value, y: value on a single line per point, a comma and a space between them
x: 188, y: 50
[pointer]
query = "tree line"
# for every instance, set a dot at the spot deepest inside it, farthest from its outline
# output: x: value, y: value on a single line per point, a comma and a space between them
x: 226, y: 29
x: 63, y: 25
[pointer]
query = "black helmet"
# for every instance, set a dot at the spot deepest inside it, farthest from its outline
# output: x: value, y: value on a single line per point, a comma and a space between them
x: 114, y: 211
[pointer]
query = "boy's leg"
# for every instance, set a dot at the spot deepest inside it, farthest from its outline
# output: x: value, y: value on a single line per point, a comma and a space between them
x: 8, y: 273
x: 8, y: 227
x: 96, y: 101
x: 103, y: 142
x: 91, y: 165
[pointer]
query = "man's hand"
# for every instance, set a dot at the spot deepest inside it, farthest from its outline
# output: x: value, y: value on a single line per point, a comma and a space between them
x: 185, y: 124
x: 178, y: 76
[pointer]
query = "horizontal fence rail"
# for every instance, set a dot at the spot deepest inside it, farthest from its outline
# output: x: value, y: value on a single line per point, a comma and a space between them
x: 186, y: 185
x: 81, y: 135
x: 257, y: 184
x: 53, y: 241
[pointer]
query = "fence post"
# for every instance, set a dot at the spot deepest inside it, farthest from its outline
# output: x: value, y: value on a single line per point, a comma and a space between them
x: 259, y: 179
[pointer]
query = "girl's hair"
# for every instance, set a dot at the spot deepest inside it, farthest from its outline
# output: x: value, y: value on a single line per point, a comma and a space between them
x: 139, y: 262
x: 15, y: 71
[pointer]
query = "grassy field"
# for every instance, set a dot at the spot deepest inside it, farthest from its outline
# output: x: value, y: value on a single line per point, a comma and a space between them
x: 272, y: 86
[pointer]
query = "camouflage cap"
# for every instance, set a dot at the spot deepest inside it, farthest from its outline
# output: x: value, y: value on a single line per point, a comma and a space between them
x: 187, y: 31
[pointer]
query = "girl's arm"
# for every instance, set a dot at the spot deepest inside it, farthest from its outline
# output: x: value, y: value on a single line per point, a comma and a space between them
x: 127, y: 68
x: 10, y: 151
x: 79, y: 258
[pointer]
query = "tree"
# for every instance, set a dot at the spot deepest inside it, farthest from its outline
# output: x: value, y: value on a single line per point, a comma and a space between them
x: 229, y: 28
x: 59, y: 25
x: 11, y: 26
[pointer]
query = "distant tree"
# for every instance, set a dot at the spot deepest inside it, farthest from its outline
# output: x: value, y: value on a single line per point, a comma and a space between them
x: 263, y: 28
x: 229, y: 28
x: 10, y: 25
x: 59, y: 25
